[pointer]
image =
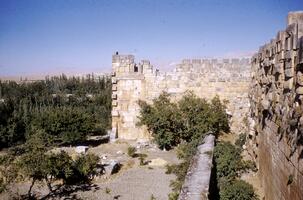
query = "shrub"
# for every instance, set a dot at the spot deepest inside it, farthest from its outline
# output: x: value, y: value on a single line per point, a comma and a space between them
x: 241, y: 140
x: 173, y: 196
x: 180, y: 171
x: 107, y: 190
x: 238, y: 190
x: 184, y: 123
x: 83, y: 169
x: 8, y: 171
x: 142, y: 157
x: 152, y: 197
x: 69, y: 125
x: 59, y: 166
x: 290, y: 179
x: 187, y: 120
x: 162, y: 120
x: 131, y: 151
x: 249, y: 165
x: 229, y: 164
x: 2, y: 185
x: 228, y: 160
x: 37, y: 164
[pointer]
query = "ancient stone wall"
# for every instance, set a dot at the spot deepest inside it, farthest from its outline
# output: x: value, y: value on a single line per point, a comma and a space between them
x: 276, y: 95
x: 228, y: 78
x: 196, y: 185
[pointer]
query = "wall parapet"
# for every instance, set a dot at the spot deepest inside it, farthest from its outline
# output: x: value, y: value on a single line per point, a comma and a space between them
x: 141, y: 81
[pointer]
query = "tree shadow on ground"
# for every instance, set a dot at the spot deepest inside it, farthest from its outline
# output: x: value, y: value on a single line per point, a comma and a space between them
x: 64, y: 191
x: 67, y: 191
x: 94, y: 142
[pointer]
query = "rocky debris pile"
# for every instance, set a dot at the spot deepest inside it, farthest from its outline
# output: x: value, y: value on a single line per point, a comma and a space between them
x: 112, y: 167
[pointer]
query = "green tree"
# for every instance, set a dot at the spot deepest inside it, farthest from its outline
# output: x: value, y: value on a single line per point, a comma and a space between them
x: 184, y: 123
x: 238, y: 190
x: 187, y: 120
x: 68, y: 125
x: 22, y: 105
x: 229, y: 165
x: 241, y: 140
x: 162, y: 120
x: 58, y: 167
x: 33, y: 163
x: 83, y: 169
x: 228, y: 160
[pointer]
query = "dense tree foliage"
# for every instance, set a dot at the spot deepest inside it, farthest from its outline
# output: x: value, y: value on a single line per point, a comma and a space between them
x: 238, y: 190
x: 184, y: 124
x: 228, y: 161
x: 38, y: 164
x: 184, y: 121
x: 68, y: 109
x: 229, y: 165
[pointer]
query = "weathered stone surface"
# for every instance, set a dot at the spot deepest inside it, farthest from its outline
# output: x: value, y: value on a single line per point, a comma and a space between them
x: 300, y: 51
x: 265, y: 104
x: 277, y: 115
x: 197, y: 180
x: 205, y: 78
x: 300, y: 78
x: 158, y: 162
x: 299, y: 90
x: 112, y: 167
x: 288, y: 84
x: 81, y: 149
x: 288, y: 72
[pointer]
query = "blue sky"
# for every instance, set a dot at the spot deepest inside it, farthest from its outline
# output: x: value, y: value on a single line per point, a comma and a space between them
x: 79, y: 36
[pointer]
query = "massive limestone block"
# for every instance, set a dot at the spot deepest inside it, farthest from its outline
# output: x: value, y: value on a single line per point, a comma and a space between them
x: 276, y: 107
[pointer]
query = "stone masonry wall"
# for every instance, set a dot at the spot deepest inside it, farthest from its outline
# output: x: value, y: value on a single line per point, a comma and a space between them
x: 228, y: 78
x: 276, y: 95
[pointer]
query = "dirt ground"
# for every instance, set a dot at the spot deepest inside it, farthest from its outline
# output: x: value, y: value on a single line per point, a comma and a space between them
x: 132, y: 182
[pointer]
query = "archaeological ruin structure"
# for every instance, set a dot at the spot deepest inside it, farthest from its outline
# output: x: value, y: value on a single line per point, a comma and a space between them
x: 228, y: 78
x: 265, y: 94
x: 276, y: 95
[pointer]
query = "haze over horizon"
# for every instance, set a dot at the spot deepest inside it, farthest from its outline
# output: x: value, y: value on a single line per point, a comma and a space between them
x: 76, y: 36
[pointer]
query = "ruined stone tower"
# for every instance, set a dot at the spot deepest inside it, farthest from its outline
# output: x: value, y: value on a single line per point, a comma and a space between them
x: 128, y: 86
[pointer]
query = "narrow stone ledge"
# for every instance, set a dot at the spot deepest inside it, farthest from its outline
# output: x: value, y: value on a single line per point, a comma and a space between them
x: 197, y: 180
